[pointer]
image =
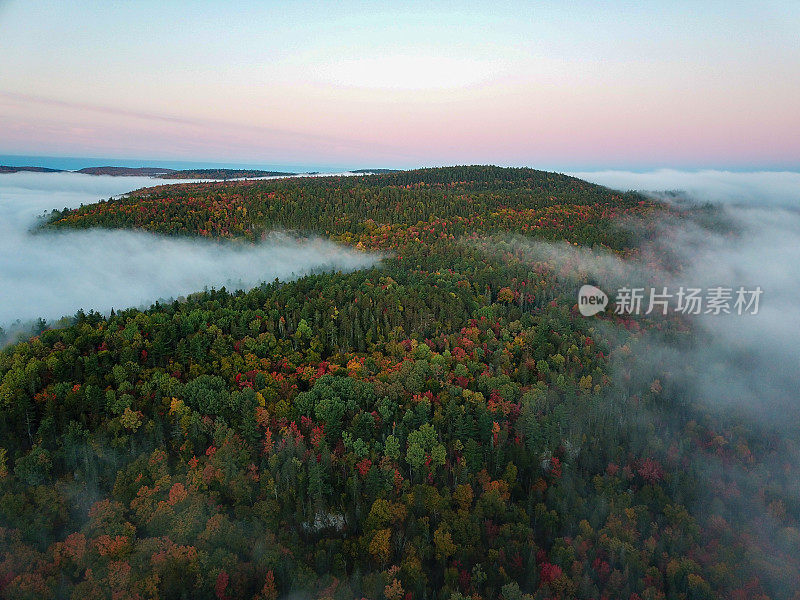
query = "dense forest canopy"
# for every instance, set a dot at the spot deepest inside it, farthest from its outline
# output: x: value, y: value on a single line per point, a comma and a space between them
x: 386, y: 211
x: 444, y: 425
x: 220, y: 173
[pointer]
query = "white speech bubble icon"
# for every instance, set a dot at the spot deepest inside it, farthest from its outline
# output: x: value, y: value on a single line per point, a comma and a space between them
x: 591, y: 300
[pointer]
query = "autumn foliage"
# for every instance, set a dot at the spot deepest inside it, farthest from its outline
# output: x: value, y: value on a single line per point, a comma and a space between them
x: 443, y: 425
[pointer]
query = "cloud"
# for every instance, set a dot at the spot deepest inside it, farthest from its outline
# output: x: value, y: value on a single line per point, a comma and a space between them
x: 54, y: 274
x: 755, y: 188
x: 743, y: 369
x: 750, y: 362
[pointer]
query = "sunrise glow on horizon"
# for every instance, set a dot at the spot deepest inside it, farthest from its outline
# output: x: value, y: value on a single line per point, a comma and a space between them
x: 650, y: 85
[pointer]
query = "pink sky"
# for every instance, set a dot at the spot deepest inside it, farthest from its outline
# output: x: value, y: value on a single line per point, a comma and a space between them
x: 658, y: 85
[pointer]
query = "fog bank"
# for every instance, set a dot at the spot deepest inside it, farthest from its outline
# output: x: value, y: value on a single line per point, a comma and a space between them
x: 754, y: 188
x: 750, y: 363
x: 53, y: 274
x: 744, y: 369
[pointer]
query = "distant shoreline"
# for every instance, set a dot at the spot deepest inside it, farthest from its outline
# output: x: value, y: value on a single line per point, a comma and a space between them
x: 7, y: 169
x: 165, y: 173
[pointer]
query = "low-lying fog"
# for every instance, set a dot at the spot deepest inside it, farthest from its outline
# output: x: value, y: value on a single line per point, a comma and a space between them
x: 746, y: 367
x: 51, y: 275
x: 748, y: 362
x: 753, y: 188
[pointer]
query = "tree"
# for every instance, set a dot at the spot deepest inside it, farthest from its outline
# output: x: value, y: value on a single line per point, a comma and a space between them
x: 379, y: 546
x: 443, y: 542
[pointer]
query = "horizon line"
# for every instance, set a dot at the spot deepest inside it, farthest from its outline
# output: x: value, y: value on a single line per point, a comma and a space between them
x: 14, y: 159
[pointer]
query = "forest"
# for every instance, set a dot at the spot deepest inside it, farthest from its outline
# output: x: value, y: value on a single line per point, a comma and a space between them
x: 443, y: 426
x: 163, y: 173
x: 219, y: 173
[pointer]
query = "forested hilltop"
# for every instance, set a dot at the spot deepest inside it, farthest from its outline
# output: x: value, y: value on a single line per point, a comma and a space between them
x: 387, y: 211
x: 162, y: 173
x: 443, y: 426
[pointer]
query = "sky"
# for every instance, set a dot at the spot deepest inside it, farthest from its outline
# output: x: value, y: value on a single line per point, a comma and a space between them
x: 563, y: 85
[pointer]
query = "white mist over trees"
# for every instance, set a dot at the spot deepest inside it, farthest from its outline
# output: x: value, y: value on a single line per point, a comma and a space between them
x: 49, y: 275
x: 753, y: 188
x: 743, y: 367
x: 745, y: 362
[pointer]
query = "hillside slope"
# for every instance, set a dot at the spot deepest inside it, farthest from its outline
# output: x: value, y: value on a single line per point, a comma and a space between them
x: 444, y: 425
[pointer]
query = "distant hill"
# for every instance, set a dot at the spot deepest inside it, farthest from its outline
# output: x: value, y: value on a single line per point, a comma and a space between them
x: 375, y: 171
x: 220, y: 174
x: 7, y: 169
x: 163, y: 173
x: 126, y: 171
